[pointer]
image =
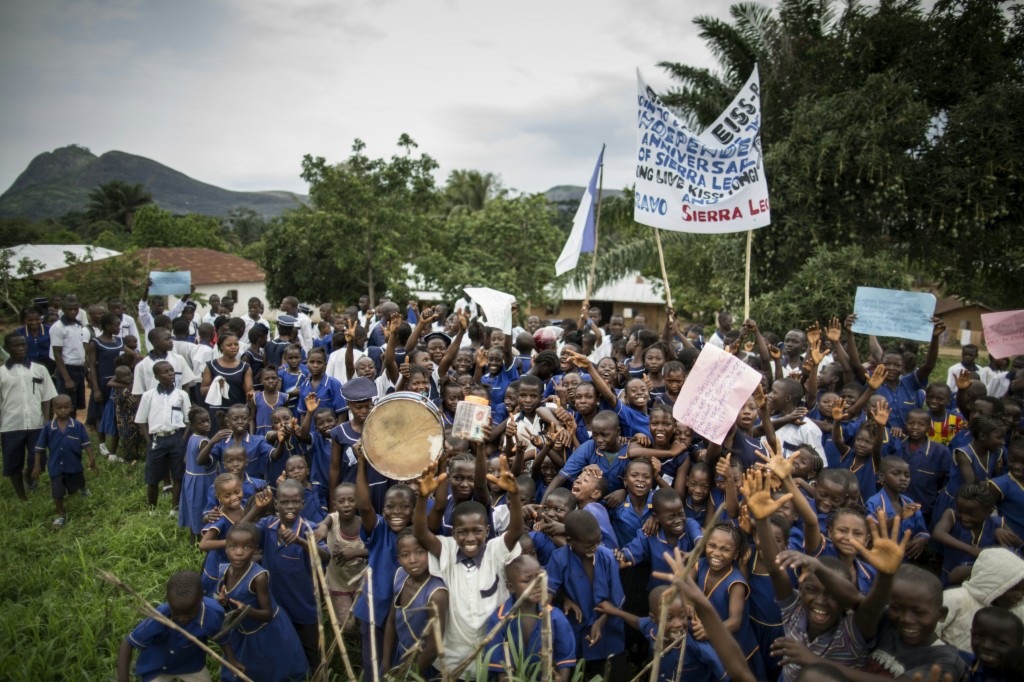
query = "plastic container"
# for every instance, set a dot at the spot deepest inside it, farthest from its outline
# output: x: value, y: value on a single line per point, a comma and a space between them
x: 471, y: 415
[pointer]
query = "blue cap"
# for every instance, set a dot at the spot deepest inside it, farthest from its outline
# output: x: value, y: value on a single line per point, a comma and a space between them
x: 286, y: 321
x: 438, y: 335
x: 303, y: 308
x: 358, y: 389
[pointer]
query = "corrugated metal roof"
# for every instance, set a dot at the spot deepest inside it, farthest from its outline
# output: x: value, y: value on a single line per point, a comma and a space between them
x: 633, y: 288
x: 52, y: 256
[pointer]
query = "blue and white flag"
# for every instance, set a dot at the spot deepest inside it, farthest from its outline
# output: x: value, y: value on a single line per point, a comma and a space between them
x: 581, y: 239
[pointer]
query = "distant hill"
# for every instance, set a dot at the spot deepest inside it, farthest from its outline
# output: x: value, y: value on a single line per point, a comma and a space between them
x: 568, y: 197
x: 59, y: 181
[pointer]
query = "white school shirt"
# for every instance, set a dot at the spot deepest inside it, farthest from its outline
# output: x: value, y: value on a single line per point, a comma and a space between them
x: 145, y: 379
x: 336, y: 364
x: 187, y: 350
x: 305, y: 331
x: 792, y: 436
x: 24, y: 387
x: 128, y: 327
x: 163, y: 411
x: 984, y: 376
x: 476, y: 592
x: 71, y: 339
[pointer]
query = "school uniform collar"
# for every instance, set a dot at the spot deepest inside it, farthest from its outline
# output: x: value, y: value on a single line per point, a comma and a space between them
x: 470, y: 562
x: 68, y: 321
x: 165, y: 391
x: 26, y: 363
x: 53, y: 422
x: 153, y: 355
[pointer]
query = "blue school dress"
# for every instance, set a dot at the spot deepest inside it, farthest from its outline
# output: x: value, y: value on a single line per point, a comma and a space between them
x: 865, y: 572
x: 915, y: 524
x: 38, y: 346
x: 566, y: 575
x: 195, y: 486
x: 292, y: 447
x: 717, y: 592
x: 290, y: 382
x: 903, y: 398
x: 929, y: 469
x: 165, y: 651
x: 314, y: 502
x: 983, y: 470
x: 598, y: 511
x: 271, y: 651
x: 291, y: 576
x: 328, y: 391
x: 612, y: 464
x: 498, y: 383
x: 526, y: 655
x: 320, y: 449
x: 650, y: 549
x: 1012, y: 506
x: 106, y: 355
x: 631, y: 420
x: 697, y: 511
x: 257, y: 452
x: 746, y: 449
x: 264, y: 409
x: 627, y: 520
x: 765, y: 617
x: 982, y: 538
x: 411, y: 620
x: 234, y: 377
x: 867, y: 477
x: 700, y: 662
x: 543, y: 545
x: 255, y: 361
x: 215, y: 557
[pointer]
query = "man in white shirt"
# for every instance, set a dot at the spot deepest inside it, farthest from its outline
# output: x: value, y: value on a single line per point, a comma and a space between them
x: 792, y: 432
x: 128, y: 326
x: 290, y: 306
x: 162, y: 343
x: 68, y: 337
x: 25, y: 394
x: 968, y: 357
x: 724, y: 327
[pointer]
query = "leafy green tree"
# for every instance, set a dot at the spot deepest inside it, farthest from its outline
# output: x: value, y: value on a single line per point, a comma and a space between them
x: 243, y: 226
x: 368, y: 219
x: 122, y: 277
x: 16, y: 285
x: 470, y: 190
x: 155, y: 227
x: 510, y: 244
x: 117, y: 201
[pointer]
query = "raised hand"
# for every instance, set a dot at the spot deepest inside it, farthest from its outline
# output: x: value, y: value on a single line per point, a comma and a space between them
x: 745, y: 523
x: 940, y: 326
x: 819, y: 352
x: 312, y: 402
x: 733, y: 348
x: 748, y: 347
x: 834, y: 332
x: 463, y: 320
x: 264, y: 498
x: 849, y: 321
x: 777, y: 463
x: 881, y: 412
x: 877, y: 377
x: 757, y: 493
x: 504, y: 480
x: 909, y: 509
x: 775, y: 352
x: 887, y: 550
x: 430, y: 480
x: 813, y: 334
x: 760, y: 399
x: 481, y: 358
x: 838, y: 410
x: 963, y: 380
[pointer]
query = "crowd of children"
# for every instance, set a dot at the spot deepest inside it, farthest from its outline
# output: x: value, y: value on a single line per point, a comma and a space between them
x: 858, y: 522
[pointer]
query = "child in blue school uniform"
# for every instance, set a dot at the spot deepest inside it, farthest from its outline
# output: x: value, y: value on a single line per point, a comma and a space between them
x: 696, y: 485
x: 284, y: 428
x: 234, y: 462
x: 196, y: 483
x: 323, y: 421
x: 63, y: 440
x: 314, y: 495
x: 265, y: 641
x: 548, y: 532
x: 929, y: 463
x: 866, y: 450
x: 165, y: 652
x: 602, y: 449
x: 291, y: 372
x: 965, y: 530
x: 418, y: 597
x: 518, y: 646
x: 379, y: 532
x: 585, y: 575
x: 1008, y: 489
x: 228, y: 512
x: 258, y: 451
x: 636, y: 508
x: 326, y: 389
x: 496, y: 369
x: 266, y: 401
x: 589, y: 489
x: 675, y: 530
x: 282, y: 542
x: 976, y: 462
x: 359, y: 393
x: 631, y: 407
x: 894, y: 475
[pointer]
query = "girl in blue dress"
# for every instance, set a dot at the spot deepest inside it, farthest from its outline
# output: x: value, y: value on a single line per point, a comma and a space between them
x: 101, y: 352
x: 845, y: 525
x: 265, y: 642
x: 415, y: 590
x: 976, y: 462
x: 230, y: 371
x: 266, y: 402
x: 718, y: 575
x: 965, y: 530
x: 198, y: 478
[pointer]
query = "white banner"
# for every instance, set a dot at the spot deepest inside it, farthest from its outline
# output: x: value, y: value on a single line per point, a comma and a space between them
x: 711, y: 182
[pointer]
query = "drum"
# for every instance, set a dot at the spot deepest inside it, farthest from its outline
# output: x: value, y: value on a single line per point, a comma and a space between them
x: 403, y: 433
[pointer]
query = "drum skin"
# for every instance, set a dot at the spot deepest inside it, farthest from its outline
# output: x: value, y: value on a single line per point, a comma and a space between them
x: 403, y: 433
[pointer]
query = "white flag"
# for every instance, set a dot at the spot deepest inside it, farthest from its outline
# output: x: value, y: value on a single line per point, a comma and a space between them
x: 581, y: 238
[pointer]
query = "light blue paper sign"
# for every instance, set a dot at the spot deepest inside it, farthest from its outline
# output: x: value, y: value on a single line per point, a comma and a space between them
x: 888, y: 312
x: 165, y: 283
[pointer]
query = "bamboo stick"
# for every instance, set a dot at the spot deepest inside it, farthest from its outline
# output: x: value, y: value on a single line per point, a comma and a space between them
x: 442, y: 664
x: 314, y: 561
x: 338, y: 639
x: 148, y: 609
x: 664, y: 273
x: 546, y: 644
x: 746, y: 280
x: 374, y: 674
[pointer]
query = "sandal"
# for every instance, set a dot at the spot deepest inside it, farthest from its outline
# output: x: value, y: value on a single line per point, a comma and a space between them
x: 59, y: 522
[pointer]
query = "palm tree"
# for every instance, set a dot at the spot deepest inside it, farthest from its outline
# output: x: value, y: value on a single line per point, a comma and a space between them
x: 470, y: 189
x: 117, y: 201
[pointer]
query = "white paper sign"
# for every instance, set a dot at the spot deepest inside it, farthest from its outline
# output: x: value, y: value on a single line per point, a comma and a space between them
x: 715, y: 391
x: 496, y: 306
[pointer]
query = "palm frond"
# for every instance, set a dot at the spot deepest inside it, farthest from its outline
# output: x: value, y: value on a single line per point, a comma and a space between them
x: 729, y: 46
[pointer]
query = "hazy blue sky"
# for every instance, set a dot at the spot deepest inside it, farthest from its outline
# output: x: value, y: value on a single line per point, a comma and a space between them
x: 234, y: 92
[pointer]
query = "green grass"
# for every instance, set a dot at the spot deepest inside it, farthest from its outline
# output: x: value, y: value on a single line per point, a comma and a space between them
x: 57, y: 619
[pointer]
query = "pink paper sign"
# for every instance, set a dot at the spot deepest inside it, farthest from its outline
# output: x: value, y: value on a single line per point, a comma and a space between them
x: 1004, y: 333
x: 714, y: 393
